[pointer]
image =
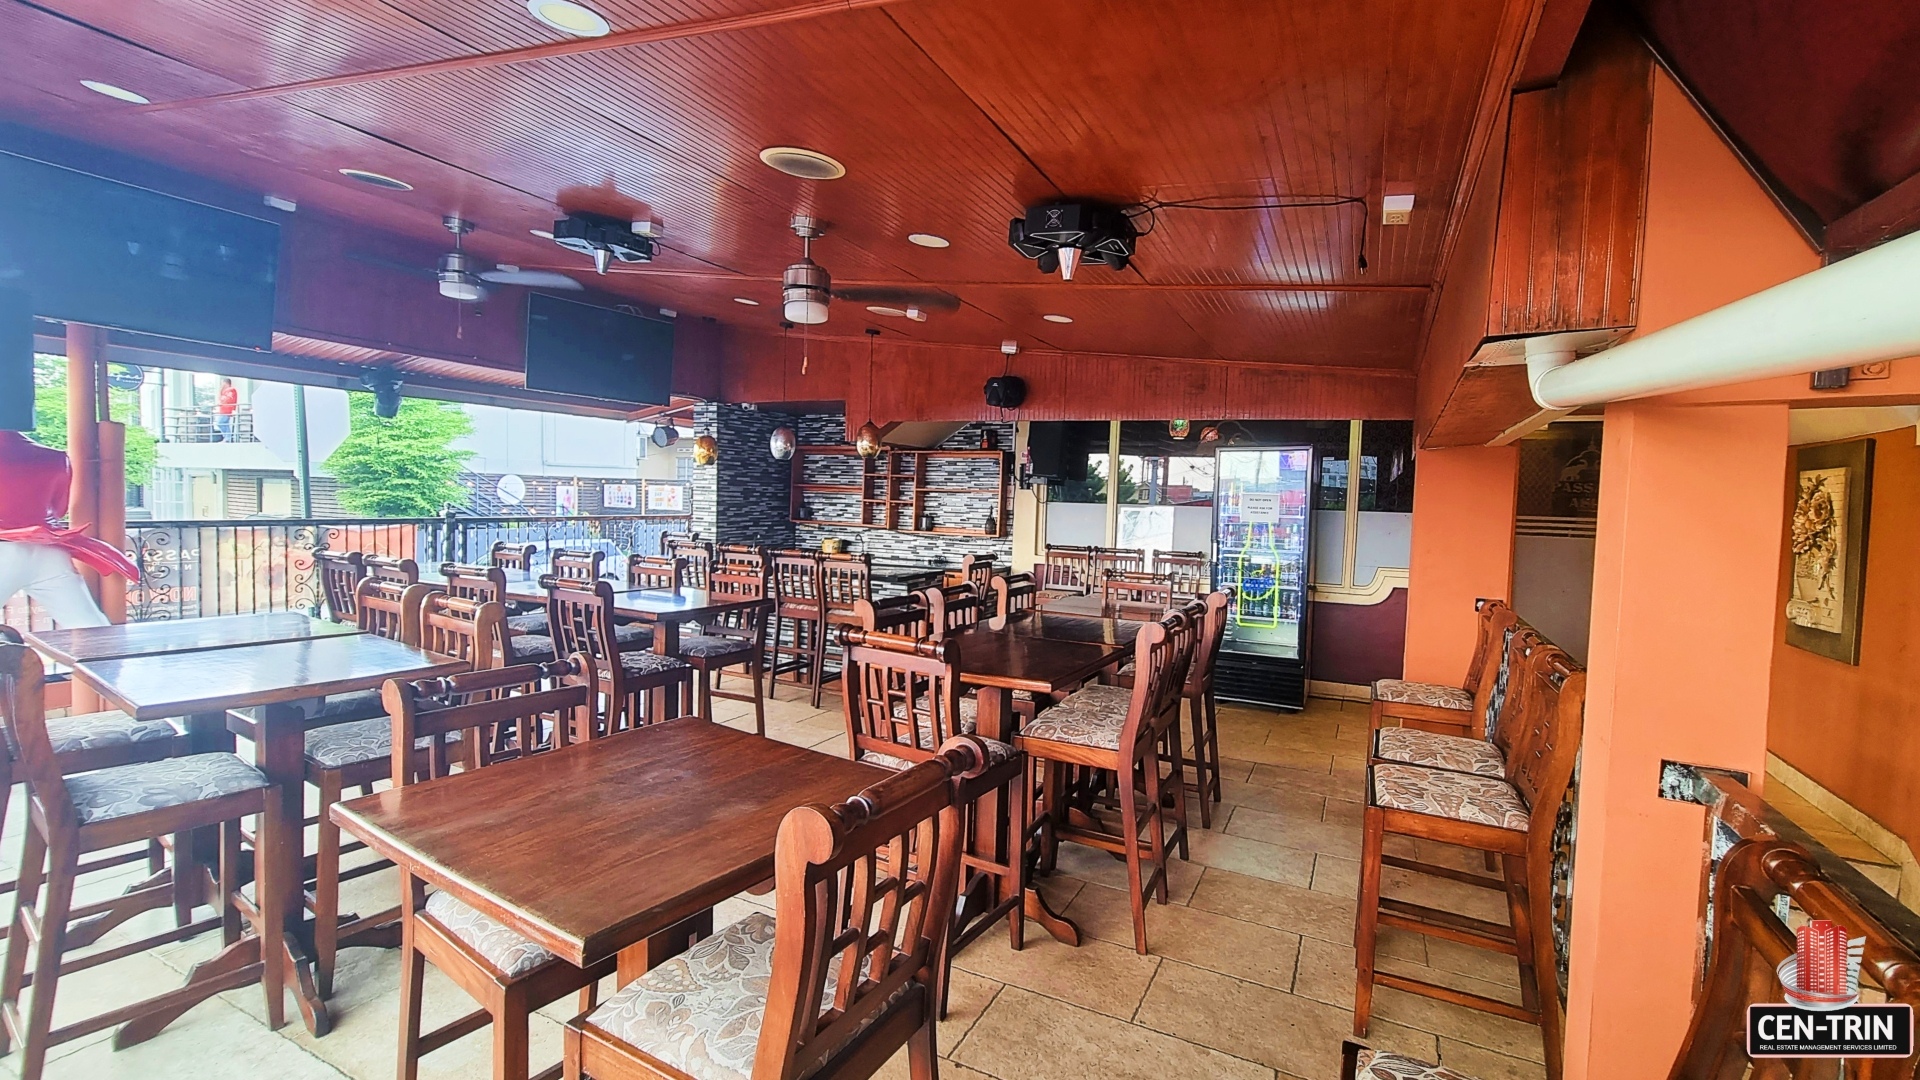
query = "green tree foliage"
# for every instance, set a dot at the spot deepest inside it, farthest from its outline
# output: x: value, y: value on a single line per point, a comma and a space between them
x: 1094, y: 488
x: 50, y: 417
x: 403, y: 467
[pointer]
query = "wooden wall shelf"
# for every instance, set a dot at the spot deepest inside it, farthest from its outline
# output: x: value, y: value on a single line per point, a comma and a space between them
x: 893, y: 492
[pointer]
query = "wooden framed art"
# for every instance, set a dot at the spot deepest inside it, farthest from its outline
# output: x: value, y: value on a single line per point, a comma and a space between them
x: 1833, y: 490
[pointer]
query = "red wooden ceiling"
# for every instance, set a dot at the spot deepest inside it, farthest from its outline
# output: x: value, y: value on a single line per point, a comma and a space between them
x: 950, y: 115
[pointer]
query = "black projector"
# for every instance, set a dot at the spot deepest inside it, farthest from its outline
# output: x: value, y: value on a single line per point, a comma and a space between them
x: 1058, y: 235
x: 601, y: 238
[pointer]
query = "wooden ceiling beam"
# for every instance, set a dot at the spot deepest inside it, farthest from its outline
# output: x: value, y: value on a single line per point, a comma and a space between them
x: 1049, y: 282
x: 1895, y: 213
x: 1560, y: 22
x: 692, y: 28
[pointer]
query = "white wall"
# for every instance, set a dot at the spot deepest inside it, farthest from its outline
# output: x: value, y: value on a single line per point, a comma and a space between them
x: 535, y: 443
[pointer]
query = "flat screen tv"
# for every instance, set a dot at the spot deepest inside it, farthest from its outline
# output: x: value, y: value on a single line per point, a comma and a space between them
x: 91, y: 250
x: 597, y: 352
x: 16, y: 361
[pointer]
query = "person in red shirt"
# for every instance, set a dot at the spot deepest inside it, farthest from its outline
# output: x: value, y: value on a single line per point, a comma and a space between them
x: 226, y: 405
x: 36, y: 556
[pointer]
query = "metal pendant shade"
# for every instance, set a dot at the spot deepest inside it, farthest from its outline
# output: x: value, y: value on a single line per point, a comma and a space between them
x: 706, y: 450
x: 782, y: 442
x: 867, y: 442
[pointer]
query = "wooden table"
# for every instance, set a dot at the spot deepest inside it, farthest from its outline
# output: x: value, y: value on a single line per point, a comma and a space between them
x: 84, y: 644
x: 998, y: 662
x: 1053, y: 625
x: 201, y: 686
x: 1093, y: 605
x: 665, y: 821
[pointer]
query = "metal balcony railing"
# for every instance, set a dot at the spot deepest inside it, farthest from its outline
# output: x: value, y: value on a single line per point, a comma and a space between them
x: 202, y: 425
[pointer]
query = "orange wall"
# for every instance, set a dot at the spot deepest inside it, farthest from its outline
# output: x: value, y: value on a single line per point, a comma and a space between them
x: 1463, y: 506
x: 1683, y: 593
x: 1856, y: 730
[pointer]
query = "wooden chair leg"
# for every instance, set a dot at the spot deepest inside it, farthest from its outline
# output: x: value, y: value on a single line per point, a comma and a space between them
x: 510, y: 1034
x: 1018, y: 809
x: 1179, y: 783
x: 229, y: 881
x: 26, y: 897
x: 1136, y: 898
x: 1156, y: 827
x: 759, y: 699
x: 1213, y: 745
x: 1366, y: 924
x: 413, y: 972
x: 186, y: 878
x: 1197, y: 708
x: 1514, y: 871
x: 706, y: 695
x: 921, y: 1053
x: 819, y: 635
x: 326, y: 887
x: 62, y: 867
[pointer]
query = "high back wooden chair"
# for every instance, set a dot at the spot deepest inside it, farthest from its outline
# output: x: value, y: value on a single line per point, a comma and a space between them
x: 903, y: 702
x: 511, y: 556
x: 389, y: 609
x: 1497, y: 720
x: 1128, y: 732
x: 952, y: 608
x: 1118, y: 561
x: 508, y: 975
x: 798, y: 641
x: 387, y: 568
x: 1186, y: 571
x: 1014, y: 595
x: 977, y: 570
x: 666, y: 573
x: 1512, y: 819
x: 625, y: 680
x: 583, y: 567
x: 487, y: 584
x: 906, y: 615
x: 845, y: 966
x: 1131, y: 589
x: 340, y: 574
x: 735, y: 639
x: 697, y: 558
x: 71, y: 816
x: 1210, y: 614
x: 669, y: 540
x: 1451, y: 710
x: 845, y: 580
x: 741, y: 558
x: 1066, y: 569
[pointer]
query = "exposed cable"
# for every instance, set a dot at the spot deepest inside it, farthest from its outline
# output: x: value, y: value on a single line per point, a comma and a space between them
x: 1150, y: 210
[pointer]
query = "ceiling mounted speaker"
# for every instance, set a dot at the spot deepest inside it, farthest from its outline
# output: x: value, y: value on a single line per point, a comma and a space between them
x: 1006, y: 392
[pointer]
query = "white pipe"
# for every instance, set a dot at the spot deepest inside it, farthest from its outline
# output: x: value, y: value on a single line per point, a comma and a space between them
x: 1860, y: 310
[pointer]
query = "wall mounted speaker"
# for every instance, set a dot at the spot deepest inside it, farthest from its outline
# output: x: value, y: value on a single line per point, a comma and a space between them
x: 1006, y: 392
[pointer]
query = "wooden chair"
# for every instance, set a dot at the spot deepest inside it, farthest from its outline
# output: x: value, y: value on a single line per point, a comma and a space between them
x: 799, y: 618
x: 109, y: 808
x: 736, y: 639
x: 1066, y: 570
x: 507, y: 974
x: 1499, y: 718
x: 510, y: 556
x: 1451, y: 710
x: 903, y: 701
x: 952, y: 608
x: 1201, y: 705
x: 738, y: 558
x: 669, y: 540
x: 845, y: 580
x: 358, y: 754
x: 579, y: 567
x: 1186, y: 571
x: 1146, y: 592
x: 488, y: 585
x: 340, y: 574
x: 906, y: 616
x: 1014, y: 595
x: 624, y: 680
x: 977, y: 570
x: 1127, y: 732
x: 1750, y: 939
x: 397, y: 571
x: 1512, y: 819
x: 385, y: 608
x: 697, y: 556
x: 837, y: 980
x: 1118, y: 561
x: 661, y: 572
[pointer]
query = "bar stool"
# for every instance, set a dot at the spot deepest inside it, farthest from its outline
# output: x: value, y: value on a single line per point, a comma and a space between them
x: 799, y: 617
x: 845, y: 580
x: 735, y: 639
x: 95, y: 811
x: 624, y: 680
x: 1452, y: 710
x: 1201, y: 705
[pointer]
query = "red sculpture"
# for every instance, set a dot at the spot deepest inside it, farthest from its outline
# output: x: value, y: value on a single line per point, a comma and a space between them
x: 36, y: 556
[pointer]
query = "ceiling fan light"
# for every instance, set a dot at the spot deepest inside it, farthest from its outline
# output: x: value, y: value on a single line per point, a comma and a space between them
x: 804, y: 292
x: 457, y: 279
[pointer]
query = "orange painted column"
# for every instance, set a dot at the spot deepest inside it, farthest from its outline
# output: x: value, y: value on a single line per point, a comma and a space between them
x: 1463, y: 507
x: 1686, y: 572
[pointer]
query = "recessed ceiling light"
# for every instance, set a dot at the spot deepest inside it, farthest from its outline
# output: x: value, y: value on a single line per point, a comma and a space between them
x: 568, y: 17
x: 378, y: 180
x: 544, y: 234
x: 927, y: 240
x: 115, y: 92
x: 890, y: 312
x: 805, y: 164
x: 744, y: 300
x: 1058, y: 318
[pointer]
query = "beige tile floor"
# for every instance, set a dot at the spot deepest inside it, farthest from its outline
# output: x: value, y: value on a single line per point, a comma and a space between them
x: 1251, y: 974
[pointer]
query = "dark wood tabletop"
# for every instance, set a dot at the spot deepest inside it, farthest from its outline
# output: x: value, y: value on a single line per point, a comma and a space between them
x: 181, y: 635
x: 662, y: 605
x: 1093, y: 605
x: 1053, y: 625
x: 595, y: 848
x: 1011, y: 661
x: 156, y: 686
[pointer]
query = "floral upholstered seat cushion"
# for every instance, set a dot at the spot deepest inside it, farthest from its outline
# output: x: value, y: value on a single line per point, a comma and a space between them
x: 1428, y: 695
x: 1379, y: 1065
x: 645, y: 662
x: 529, y: 649
x: 701, y: 1011
x: 997, y: 752
x: 1481, y: 800
x: 1451, y: 752
x: 1091, y: 716
x: 533, y: 622
x: 124, y: 790
x: 502, y: 946
x: 340, y: 745
x: 969, y: 714
x: 94, y: 731
x: 709, y: 647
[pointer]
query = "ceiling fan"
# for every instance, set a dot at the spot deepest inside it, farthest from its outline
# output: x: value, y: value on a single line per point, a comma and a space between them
x: 460, y: 279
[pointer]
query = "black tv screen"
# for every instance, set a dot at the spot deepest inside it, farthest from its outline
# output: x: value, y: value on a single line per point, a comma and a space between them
x: 16, y: 361
x: 90, y: 250
x: 575, y: 348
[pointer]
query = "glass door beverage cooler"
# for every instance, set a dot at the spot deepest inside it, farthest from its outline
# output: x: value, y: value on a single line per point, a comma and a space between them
x: 1261, y: 530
